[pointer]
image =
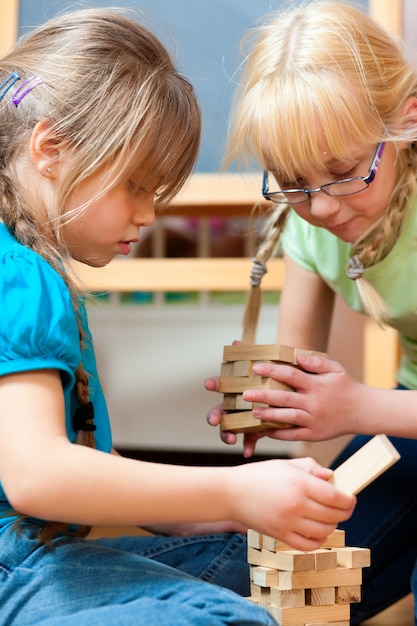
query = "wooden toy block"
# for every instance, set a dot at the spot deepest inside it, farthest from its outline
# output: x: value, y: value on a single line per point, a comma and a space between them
x: 325, y: 559
x: 295, y: 616
x: 239, y: 384
x: 266, y: 352
x: 264, y: 576
x: 258, y: 592
x: 348, y: 594
x: 235, y: 402
x: 293, y: 561
x: 365, y: 465
x: 294, y: 598
x: 254, y: 539
x: 335, y: 540
x: 242, y: 368
x: 243, y: 422
x: 236, y: 376
x: 320, y: 596
x: 340, y: 577
x: 353, y: 557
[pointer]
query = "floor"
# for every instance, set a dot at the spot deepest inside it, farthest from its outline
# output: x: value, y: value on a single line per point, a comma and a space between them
x: 401, y: 614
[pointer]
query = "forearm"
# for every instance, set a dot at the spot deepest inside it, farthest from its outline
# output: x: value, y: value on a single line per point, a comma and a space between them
x: 81, y: 485
x: 389, y: 411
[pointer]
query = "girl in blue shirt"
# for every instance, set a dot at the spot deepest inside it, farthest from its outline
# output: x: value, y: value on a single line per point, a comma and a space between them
x: 96, y: 125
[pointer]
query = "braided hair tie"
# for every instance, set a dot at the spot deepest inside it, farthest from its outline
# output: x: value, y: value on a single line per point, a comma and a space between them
x: 355, y: 268
x: 259, y: 269
x: 84, y: 414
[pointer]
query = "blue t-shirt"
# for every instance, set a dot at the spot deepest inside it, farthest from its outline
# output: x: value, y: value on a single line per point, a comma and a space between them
x: 38, y: 330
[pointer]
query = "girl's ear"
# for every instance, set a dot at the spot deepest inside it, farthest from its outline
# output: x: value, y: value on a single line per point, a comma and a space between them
x: 409, y: 117
x: 43, y: 150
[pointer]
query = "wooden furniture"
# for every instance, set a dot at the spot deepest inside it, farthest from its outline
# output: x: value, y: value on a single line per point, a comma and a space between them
x: 226, y: 195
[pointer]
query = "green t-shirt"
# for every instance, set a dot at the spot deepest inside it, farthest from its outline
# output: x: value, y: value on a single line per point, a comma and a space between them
x: 394, y: 278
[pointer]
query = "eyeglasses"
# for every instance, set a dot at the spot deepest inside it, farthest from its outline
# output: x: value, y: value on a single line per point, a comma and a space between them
x: 344, y: 187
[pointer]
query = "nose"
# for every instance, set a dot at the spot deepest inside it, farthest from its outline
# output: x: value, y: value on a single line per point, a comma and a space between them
x: 323, y: 206
x: 144, y: 214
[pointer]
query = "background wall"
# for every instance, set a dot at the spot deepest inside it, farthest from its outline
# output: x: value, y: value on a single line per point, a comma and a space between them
x: 206, y: 38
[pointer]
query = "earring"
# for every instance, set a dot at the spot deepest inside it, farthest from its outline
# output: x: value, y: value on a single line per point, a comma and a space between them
x: 48, y: 170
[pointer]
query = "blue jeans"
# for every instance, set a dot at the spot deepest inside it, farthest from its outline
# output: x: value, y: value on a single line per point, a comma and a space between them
x: 385, y: 520
x: 140, y: 581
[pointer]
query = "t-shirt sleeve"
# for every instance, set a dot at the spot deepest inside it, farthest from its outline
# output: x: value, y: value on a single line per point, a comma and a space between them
x: 38, y: 328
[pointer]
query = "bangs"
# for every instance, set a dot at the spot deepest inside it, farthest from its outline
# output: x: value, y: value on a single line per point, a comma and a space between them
x: 299, y: 120
x: 157, y: 137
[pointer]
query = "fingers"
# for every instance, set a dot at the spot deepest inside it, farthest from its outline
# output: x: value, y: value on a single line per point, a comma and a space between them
x: 212, y: 383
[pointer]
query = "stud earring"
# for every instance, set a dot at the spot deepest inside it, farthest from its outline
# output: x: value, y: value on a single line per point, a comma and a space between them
x: 48, y: 170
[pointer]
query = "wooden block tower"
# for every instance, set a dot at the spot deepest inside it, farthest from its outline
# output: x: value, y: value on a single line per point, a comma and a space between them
x: 236, y: 375
x: 317, y: 588
x: 306, y: 588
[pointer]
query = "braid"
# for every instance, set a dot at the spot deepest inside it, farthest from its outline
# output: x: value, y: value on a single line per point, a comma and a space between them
x: 377, y: 243
x: 274, y: 227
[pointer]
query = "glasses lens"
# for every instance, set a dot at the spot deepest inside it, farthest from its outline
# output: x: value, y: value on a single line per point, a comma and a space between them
x: 289, y: 197
x: 345, y: 187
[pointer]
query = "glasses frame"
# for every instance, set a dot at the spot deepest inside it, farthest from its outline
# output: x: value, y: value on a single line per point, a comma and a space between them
x: 373, y: 168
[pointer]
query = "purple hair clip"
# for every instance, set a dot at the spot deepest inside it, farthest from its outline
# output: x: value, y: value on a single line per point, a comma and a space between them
x: 25, y: 88
x: 8, y: 84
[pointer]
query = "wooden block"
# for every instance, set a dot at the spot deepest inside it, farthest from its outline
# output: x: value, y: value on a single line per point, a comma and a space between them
x: 254, y: 539
x: 325, y: 559
x: 299, y: 352
x: 340, y: 577
x: 353, y: 557
x: 242, y: 368
x: 264, y: 576
x: 251, y: 352
x: 239, y: 384
x: 226, y: 369
x: 287, y: 598
x: 365, y: 465
x: 293, y: 560
x: 296, y: 562
x: 335, y: 540
x: 258, y: 592
x: 348, y: 594
x: 235, y: 402
x: 244, y: 422
x: 313, y: 614
x: 320, y: 596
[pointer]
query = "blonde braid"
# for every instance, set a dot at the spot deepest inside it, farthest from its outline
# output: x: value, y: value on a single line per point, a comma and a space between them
x: 378, y: 242
x: 274, y: 227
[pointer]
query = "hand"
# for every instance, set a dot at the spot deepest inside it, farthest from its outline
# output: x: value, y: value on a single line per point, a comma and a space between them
x: 326, y: 401
x: 289, y: 500
x: 214, y: 416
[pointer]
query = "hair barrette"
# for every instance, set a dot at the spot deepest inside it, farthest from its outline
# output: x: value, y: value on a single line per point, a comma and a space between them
x: 25, y: 88
x: 8, y: 84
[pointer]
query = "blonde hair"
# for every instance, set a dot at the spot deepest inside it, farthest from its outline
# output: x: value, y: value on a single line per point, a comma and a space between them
x: 111, y: 93
x: 327, y: 66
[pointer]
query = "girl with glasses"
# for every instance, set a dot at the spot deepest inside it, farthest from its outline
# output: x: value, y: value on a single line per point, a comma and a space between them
x: 327, y: 106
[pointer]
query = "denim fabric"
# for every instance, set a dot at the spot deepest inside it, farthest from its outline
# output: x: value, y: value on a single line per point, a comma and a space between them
x: 385, y: 520
x: 149, y: 581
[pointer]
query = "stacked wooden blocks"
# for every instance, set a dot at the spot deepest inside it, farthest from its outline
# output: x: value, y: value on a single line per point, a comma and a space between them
x: 317, y: 588
x: 236, y: 376
x: 306, y: 588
